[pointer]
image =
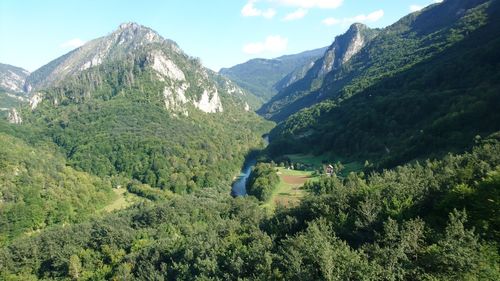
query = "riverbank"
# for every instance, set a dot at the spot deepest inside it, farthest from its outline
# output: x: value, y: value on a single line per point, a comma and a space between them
x: 238, y: 188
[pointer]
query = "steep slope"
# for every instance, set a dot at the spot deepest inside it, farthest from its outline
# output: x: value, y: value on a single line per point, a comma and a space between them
x: 11, y: 88
x: 263, y: 77
x: 132, y: 104
x: 431, y: 107
x: 37, y: 189
x: 12, y: 78
x: 127, y: 40
x: 8, y: 101
x: 311, y: 76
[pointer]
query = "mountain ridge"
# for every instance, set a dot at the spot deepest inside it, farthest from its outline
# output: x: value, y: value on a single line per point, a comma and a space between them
x: 262, y: 77
x: 135, y: 46
x: 413, y: 38
x: 336, y: 55
x: 126, y: 38
x: 426, y: 109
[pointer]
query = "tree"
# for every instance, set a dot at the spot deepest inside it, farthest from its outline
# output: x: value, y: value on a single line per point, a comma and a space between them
x: 74, y: 267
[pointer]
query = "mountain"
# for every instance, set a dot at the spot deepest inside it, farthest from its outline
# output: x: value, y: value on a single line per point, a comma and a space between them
x: 122, y: 44
x: 134, y: 105
x: 411, y: 93
x: 12, y: 78
x: 135, y: 44
x: 343, y: 48
x: 262, y: 77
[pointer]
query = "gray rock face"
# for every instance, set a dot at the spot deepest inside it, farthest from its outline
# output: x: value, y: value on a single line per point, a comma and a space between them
x: 311, y: 76
x: 343, y: 48
x: 12, y: 78
x: 14, y: 117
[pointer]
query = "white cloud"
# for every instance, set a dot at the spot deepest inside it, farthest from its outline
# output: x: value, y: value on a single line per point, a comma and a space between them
x: 371, y: 17
x: 72, y: 44
x: 269, y: 13
x: 298, y: 14
x: 414, y: 8
x: 249, y: 10
x: 272, y: 44
x: 307, y: 4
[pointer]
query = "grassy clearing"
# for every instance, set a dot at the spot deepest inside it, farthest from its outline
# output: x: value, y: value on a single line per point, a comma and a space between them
x: 289, y: 191
x: 123, y: 200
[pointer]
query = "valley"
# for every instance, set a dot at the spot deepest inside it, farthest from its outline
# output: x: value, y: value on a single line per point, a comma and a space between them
x: 374, y: 158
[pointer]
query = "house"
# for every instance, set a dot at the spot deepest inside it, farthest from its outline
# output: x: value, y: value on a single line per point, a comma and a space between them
x: 329, y: 170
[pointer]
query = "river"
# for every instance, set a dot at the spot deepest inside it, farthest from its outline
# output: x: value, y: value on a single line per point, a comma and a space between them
x: 239, y: 186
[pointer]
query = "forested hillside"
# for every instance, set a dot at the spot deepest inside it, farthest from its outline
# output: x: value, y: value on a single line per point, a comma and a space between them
x: 145, y: 111
x: 265, y: 77
x: 435, y: 220
x: 127, y: 131
x: 414, y: 39
x: 37, y: 189
x: 438, y: 105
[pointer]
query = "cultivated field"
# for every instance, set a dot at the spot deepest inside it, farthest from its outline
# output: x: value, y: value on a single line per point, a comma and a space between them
x: 289, y: 191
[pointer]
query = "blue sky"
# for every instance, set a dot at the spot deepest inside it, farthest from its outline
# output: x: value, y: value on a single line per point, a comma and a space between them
x: 220, y: 32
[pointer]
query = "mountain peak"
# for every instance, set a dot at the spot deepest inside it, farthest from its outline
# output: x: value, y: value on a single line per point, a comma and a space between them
x: 345, y: 46
x: 134, y: 28
x: 128, y: 39
x: 129, y: 25
x: 133, y: 32
x: 358, y: 26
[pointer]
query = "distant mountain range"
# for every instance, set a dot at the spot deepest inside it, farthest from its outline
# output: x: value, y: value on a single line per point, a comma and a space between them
x: 265, y: 77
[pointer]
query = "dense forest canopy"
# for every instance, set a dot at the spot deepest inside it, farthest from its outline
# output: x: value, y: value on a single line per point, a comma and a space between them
x: 425, y: 221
